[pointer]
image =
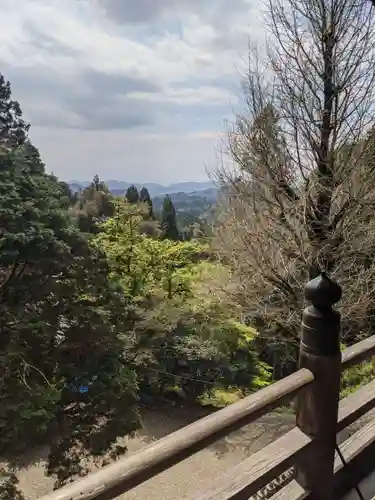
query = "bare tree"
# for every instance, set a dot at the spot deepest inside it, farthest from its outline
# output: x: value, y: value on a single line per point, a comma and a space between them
x: 299, y: 194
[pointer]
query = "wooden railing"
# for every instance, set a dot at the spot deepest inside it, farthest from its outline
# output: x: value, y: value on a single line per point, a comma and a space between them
x: 309, y: 447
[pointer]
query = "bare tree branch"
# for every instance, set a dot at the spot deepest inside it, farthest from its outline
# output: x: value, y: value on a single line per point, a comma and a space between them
x: 298, y: 195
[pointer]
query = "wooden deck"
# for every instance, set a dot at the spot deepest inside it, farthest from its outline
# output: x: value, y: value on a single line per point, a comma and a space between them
x: 258, y: 470
x: 309, y: 449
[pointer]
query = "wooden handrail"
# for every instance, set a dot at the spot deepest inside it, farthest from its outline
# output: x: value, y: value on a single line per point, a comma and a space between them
x: 128, y: 472
x: 309, y: 447
x: 319, y: 414
x: 357, y: 353
x: 356, y: 405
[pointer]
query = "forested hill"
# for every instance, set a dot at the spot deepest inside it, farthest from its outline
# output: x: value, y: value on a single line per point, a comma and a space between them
x: 180, y: 199
x: 189, y: 206
x: 155, y: 189
x: 192, y: 200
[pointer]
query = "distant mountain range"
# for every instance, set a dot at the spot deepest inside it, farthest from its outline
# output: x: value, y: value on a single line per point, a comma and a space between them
x: 192, y: 200
x: 119, y: 187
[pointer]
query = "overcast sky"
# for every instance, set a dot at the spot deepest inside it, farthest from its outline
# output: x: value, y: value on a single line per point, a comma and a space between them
x: 133, y: 90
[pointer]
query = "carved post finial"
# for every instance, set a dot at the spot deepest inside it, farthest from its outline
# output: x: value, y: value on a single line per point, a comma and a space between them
x: 322, y: 292
x: 320, y: 322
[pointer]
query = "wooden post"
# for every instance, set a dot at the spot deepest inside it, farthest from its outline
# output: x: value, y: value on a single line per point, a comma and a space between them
x: 317, y: 406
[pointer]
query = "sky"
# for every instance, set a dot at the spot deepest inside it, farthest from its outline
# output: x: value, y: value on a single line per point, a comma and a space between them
x: 134, y: 90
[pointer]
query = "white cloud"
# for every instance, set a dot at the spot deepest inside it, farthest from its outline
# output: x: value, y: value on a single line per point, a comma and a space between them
x: 126, y: 155
x: 204, y: 95
x: 108, y: 76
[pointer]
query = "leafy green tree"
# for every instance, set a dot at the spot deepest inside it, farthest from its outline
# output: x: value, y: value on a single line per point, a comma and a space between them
x: 169, y: 223
x: 63, y: 325
x: 13, y: 129
x: 132, y: 194
x: 186, y: 341
x: 144, y: 197
x: 93, y: 204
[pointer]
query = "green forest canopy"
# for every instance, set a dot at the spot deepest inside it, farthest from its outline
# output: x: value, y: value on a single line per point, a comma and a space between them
x: 98, y: 313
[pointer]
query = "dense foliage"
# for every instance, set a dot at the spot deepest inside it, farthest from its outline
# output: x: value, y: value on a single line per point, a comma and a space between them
x: 91, y: 205
x: 60, y: 317
x: 101, y: 306
x: 185, y: 340
x: 63, y: 377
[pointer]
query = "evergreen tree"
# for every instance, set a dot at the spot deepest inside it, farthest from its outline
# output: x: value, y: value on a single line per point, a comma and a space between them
x: 63, y: 323
x: 144, y: 197
x: 132, y: 194
x: 61, y: 363
x: 169, y: 223
x: 13, y: 129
